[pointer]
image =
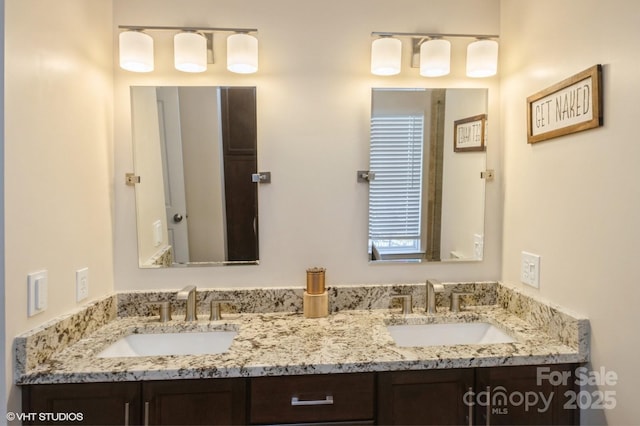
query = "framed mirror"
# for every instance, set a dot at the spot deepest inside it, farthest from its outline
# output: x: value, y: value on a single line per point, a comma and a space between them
x: 426, y: 195
x: 195, y: 151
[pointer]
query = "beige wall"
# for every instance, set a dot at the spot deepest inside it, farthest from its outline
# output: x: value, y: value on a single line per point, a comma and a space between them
x: 58, y: 155
x: 313, y: 95
x: 575, y: 200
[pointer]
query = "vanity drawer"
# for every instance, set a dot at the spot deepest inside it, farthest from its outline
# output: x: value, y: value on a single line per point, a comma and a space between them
x: 313, y: 398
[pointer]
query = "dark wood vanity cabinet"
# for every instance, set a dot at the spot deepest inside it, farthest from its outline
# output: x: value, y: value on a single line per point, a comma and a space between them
x: 89, y: 403
x: 525, y: 395
x: 479, y: 396
x: 194, y: 402
x: 167, y: 402
x: 427, y: 397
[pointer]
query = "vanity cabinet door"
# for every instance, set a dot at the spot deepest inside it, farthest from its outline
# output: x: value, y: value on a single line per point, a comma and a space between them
x: 82, y: 404
x: 427, y: 397
x: 516, y: 396
x: 194, y: 402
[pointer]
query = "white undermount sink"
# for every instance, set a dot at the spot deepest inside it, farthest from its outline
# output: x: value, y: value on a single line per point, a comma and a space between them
x: 185, y: 343
x: 470, y: 333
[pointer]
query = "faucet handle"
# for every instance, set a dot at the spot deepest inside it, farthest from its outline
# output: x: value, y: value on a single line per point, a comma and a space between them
x: 164, y: 309
x: 407, y: 302
x: 455, y: 300
x: 216, y: 311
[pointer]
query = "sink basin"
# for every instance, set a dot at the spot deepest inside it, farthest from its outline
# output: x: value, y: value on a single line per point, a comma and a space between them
x: 448, y: 334
x: 185, y: 343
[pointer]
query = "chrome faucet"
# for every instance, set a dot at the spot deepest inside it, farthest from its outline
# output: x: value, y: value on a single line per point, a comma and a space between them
x: 189, y: 294
x: 433, y: 287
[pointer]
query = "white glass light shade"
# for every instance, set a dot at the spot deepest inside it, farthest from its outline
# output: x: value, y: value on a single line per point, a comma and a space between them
x: 190, y: 52
x: 435, y: 58
x: 482, y: 58
x: 136, y: 51
x: 386, y: 56
x: 242, y: 53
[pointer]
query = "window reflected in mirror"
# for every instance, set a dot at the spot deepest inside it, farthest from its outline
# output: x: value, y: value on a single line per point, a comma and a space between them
x: 426, y: 201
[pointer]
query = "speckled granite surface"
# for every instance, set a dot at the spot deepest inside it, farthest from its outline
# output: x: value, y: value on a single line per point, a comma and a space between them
x: 341, y: 298
x: 282, y: 343
x: 38, y: 345
x: 560, y: 324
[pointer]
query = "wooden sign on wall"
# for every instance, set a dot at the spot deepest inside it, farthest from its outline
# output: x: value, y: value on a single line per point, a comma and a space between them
x: 571, y: 106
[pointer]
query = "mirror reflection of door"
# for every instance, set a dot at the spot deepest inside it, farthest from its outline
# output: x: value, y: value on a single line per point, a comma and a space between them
x: 196, y: 157
x: 240, y: 152
x: 173, y: 177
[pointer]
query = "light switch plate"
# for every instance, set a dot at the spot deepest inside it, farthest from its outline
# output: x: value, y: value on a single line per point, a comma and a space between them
x: 478, y: 246
x: 157, y: 233
x: 82, y: 284
x: 37, y: 292
x: 530, y: 269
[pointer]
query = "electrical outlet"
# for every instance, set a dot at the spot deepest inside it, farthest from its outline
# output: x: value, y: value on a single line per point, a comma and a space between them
x: 82, y: 284
x: 37, y: 292
x: 530, y: 269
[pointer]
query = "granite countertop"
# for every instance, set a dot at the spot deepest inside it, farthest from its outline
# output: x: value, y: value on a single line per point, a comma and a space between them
x: 284, y: 343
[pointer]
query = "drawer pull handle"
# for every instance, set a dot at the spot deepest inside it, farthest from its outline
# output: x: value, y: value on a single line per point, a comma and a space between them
x: 328, y: 400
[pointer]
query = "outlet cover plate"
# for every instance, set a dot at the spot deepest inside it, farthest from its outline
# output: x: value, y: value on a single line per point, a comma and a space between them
x: 530, y: 269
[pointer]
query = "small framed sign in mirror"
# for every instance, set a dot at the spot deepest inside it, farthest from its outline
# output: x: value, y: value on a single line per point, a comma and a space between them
x: 469, y: 133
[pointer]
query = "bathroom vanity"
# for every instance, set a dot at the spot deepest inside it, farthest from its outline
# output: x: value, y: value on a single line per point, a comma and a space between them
x: 401, y: 397
x: 347, y: 367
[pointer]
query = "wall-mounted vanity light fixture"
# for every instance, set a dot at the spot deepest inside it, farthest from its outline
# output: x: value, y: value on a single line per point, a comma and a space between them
x: 193, y: 48
x: 386, y: 56
x: 435, y: 57
x: 190, y: 52
x: 136, y: 51
x: 434, y: 53
x: 482, y: 58
x: 242, y: 53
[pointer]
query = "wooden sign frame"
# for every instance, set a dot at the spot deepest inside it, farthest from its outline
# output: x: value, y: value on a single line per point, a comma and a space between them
x: 469, y: 133
x: 571, y: 106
